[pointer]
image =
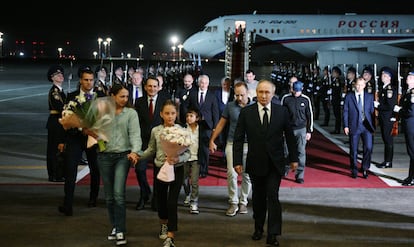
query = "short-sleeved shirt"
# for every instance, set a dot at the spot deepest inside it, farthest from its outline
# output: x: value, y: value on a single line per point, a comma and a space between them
x: 231, y: 113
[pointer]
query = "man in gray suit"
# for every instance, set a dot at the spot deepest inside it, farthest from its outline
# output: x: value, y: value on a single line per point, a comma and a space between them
x: 265, y: 125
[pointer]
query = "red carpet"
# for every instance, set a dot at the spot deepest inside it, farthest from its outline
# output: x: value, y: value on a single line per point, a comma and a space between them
x: 327, y: 167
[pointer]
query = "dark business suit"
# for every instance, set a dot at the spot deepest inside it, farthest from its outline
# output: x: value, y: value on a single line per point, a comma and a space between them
x: 209, y: 113
x: 359, y: 129
x: 76, y: 144
x: 146, y: 125
x: 265, y: 160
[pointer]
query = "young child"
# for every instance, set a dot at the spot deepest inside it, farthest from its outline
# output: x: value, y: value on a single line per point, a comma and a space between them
x: 192, y: 167
x: 167, y: 192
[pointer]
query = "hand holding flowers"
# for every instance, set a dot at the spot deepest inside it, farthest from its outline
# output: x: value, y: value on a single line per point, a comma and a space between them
x: 174, y: 141
x: 94, y: 115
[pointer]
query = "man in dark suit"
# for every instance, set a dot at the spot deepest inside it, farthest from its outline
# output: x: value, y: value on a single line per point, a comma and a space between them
x: 265, y: 127
x: 136, y: 87
x: 182, y: 96
x: 76, y: 144
x: 358, y: 124
x: 205, y: 102
x: 147, y: 121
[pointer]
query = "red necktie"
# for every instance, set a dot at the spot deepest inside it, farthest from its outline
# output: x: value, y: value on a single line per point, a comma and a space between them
x: 151, y: 109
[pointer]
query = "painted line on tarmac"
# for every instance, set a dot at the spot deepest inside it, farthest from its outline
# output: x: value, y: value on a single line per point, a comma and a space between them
x: 23, y: 88
x: 23, y: 97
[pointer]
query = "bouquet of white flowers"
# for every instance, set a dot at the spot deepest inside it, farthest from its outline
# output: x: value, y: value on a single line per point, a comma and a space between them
x: 174, y: 141
x: 86, y: 112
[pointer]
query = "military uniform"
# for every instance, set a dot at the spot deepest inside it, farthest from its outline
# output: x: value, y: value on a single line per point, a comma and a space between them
x: 387, y: 98
x: 406, y: 114
x: 337, y: 87
x: 55, y: 131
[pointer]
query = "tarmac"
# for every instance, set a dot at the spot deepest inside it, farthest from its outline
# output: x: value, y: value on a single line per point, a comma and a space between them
x: 311, y: 216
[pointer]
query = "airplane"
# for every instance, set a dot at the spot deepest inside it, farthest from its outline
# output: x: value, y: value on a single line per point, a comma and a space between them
x: 324, y: 39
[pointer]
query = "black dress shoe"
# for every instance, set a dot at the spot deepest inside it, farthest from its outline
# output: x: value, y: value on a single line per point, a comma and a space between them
x: 354, y: 175
x: 140, y: 205
x: 92, y: 203
x: 203, y: 175
x: 65, y: 211
x: 408, y: 182
x: 365, y: 174
x: 385, y: 165
x: 272, y: 240
x: 257, y: 235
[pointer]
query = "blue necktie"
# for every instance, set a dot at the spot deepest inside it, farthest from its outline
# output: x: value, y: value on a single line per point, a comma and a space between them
x: 361, y: 113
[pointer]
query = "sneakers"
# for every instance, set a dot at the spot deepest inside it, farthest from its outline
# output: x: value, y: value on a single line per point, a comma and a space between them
x: 120, y: 239
x: 232, y: 210
x: 169, y: 242
x: 187, y: 200
x: 112, y: 235
x: 163, y: 231
x: 194, y: 209
x: 243, y: 209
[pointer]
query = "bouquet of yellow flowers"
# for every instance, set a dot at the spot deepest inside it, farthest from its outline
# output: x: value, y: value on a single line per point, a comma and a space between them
x: 87, y: 111
x: 174, y: 141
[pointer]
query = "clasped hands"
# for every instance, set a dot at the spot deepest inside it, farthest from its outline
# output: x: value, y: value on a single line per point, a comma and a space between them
x: 133, y: 158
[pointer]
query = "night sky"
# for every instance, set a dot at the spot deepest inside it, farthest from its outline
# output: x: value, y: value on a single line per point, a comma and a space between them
x: 129, y: 23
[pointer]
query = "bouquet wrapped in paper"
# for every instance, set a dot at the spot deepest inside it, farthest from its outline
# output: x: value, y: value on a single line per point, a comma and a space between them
x: 174, y: 141
x: 95, y: 114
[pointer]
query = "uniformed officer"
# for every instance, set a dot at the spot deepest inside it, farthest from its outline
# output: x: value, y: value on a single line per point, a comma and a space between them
x: 337, y: 97
x: 350, y: 80
x: 368, y: 75
x: 325, y: 93
x: 387, y: 99
x: 405, y: 112
x: 55, y: 131
x: 101, y: 87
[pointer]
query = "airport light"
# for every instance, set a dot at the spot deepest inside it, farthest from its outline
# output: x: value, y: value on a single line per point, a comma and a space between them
x: 173, y: 49
x: 128, y: 55
x: 60, y: 52
x: 1, y: 44
x: 95, y: 54
x: 100, y: 47
x: 109, y: 40
x: 141, y: 46
x: 180, y: 47
x: 105, y: 43
x: 174, y: 40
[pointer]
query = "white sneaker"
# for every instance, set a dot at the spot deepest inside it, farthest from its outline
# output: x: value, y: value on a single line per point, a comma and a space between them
x: 232, y: 210
x: 243, y: 209
x: 120, y: 239
x: 163, y: 231
x: 169, y: 242
x: 194, y: 209
x: 187, y: 201
x: 112, y: 235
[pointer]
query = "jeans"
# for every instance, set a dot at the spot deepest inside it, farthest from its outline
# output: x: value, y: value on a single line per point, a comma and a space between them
x: 191, y: 174
x: 114, y: 169
x: 300, y: 136
x: 232, y: 175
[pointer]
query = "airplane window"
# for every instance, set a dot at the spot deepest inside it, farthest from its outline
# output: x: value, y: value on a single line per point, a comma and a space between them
x: 260, y: 30
x: 266, y: 31
x: 214, y: 29
x: 278, y: 30
x: 208, y: 29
